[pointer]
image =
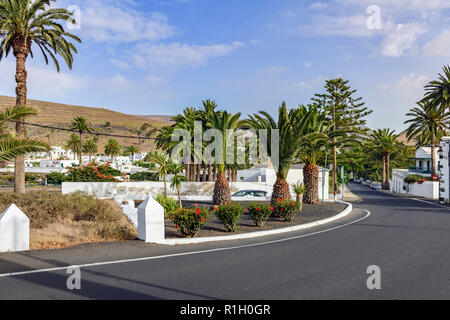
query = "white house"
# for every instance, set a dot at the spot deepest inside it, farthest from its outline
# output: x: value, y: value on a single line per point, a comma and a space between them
x: 62, y: 164
x: 420, y: 165
x: 444, y: 170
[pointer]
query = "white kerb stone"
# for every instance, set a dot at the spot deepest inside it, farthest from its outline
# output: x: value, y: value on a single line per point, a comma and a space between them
x: 151, y: 221
x: 14, y: 230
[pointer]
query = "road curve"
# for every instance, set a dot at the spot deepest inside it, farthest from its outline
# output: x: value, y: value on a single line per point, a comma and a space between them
x: 409, y: 240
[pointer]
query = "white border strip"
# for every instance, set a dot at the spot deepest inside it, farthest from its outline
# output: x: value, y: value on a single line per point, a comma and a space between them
x: 257, y: 234
x: 13, y: 274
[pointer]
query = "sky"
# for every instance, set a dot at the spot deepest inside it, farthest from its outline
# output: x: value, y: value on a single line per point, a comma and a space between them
x: 156, y: 57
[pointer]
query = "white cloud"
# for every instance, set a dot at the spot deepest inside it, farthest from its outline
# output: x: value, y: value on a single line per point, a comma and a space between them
x: 409, y: 86
x: 440, y: 46
x: 107, y: 21
x: 178, y: 54
x: 402, y: 40
x: 308, y: 64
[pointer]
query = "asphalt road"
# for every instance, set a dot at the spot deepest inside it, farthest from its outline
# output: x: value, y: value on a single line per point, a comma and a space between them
x: 409, y: 240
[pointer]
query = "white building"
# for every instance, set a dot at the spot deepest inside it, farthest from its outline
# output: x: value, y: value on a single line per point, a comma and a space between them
x: 444, y: 170
x: 420, y: 165
x: 61, y: 164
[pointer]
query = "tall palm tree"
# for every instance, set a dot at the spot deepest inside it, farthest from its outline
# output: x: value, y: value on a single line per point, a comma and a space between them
x: 131, y: 150
x: 176, y: 170
x: 162, y: 161
x: 291, y: 126
x: 112, y: 148
x: 81, y: 126
x: 24, y: 23
x: 438, y: 91
x: 316, y: 137
x: 90, y: 147
x: 224, y: 121
x: 428, y: 120
x: 385, y: 142
x: 73, y: 144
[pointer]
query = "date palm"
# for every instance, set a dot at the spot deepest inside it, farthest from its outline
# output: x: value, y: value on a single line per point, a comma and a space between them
x: 224, y: 121
x: 81, y: 126
x: 131, y: 150
x: 162, y: 161
x: 26, y: 25
x: 176, y: 170
x: 428, y: 120
x: 438, y: 91
x: 74, y: 144
x: 290, y: 126
x: 112, y: 148
x: 385, y: 141
x: 90, y: 147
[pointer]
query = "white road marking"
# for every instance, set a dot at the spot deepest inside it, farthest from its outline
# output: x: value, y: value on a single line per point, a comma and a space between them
x: 12, y: 274
x: 435, y: 204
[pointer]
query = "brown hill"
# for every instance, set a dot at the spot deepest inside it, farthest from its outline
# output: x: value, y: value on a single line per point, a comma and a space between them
x: 60, y: 116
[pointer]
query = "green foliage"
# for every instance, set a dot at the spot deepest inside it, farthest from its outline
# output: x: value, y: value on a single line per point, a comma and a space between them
x: 414, y: 178
x: 299, y: 188
x: 145, y: 165
x: 112, y: 148
x: 169, y: 204
x: 144, y: 176
x: 230, y: 214
x: 91, y: 173
x: 55, y: 178
x: 288, y: 209
x: 190, y: 221
x: 260, y: 212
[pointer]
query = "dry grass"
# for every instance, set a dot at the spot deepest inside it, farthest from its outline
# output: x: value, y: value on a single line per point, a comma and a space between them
x: 60, y: 115
x: 65, y: 220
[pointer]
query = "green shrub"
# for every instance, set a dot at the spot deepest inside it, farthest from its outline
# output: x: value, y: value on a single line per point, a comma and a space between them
x: 189, y: 221
x: 146, y: 165
x: 416, y: 178
x: 170, y: 205
x: 55, y: 178
x: 144, y: 176
x: 260, y: 212
x: 288, y: 209
x: 230, y: 214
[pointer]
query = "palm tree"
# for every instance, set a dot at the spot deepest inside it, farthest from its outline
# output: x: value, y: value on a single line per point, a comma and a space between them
x: 223, y: 121
x: 11, y: 147
x: 428, y: 120
x: 74, y: 144
x: 131, y: 150
x: 112, y: 148
x: 90, y: 147
x: 81, y: 126
x: 438, y: 91
x: 24, y: 23
x: 386, y: 142
x: 177, y: 171
x: 316, y: 137
x: 161, y: 160
x: 290, y: 126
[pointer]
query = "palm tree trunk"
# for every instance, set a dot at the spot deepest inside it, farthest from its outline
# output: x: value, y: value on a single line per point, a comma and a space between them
x: 198, y: 173
x: 187, y: 167
x: 204, y: 177
x: 165, y: 186
x: 311, y: 180
x: 80, y: 151
x: 221, y: 190
x: 179, y: 197
x: 21, y: 54
x: 334, y: 169
x: 388, y: 171
x: 210, y: 178
x: 384, y: 171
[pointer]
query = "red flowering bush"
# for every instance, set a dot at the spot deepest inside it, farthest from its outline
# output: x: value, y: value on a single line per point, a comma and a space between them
x: 287, y: 209
x: 260, y: 212
x: 230, y: 214
x: 92, y: 173
x: 190, y: 220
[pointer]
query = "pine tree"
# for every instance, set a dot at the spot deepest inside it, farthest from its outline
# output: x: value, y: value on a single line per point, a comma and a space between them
x: 346, y: 114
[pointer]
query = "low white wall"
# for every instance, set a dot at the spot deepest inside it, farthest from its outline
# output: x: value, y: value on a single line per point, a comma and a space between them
x: 427, y: 189
x: 141, y: 190
x: 14, y: 230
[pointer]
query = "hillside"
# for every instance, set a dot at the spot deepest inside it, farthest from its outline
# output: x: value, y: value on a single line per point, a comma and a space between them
x: 60, y: 115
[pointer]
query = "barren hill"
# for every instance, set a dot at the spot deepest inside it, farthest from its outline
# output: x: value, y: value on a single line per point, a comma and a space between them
x: 60, y: 115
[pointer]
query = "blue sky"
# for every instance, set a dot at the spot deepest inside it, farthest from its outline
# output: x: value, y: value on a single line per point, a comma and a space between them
x: 159, y: 56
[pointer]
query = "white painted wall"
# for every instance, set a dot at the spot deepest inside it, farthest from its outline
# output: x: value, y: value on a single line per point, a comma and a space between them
x: 151, y: 221
x: 428, y: 189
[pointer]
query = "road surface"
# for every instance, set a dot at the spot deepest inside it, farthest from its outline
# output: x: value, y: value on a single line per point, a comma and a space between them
x: 407, y: 239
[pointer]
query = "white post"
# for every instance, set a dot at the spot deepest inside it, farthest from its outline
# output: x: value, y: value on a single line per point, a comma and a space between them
x: 14, y: 230
x: 151, y: 221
